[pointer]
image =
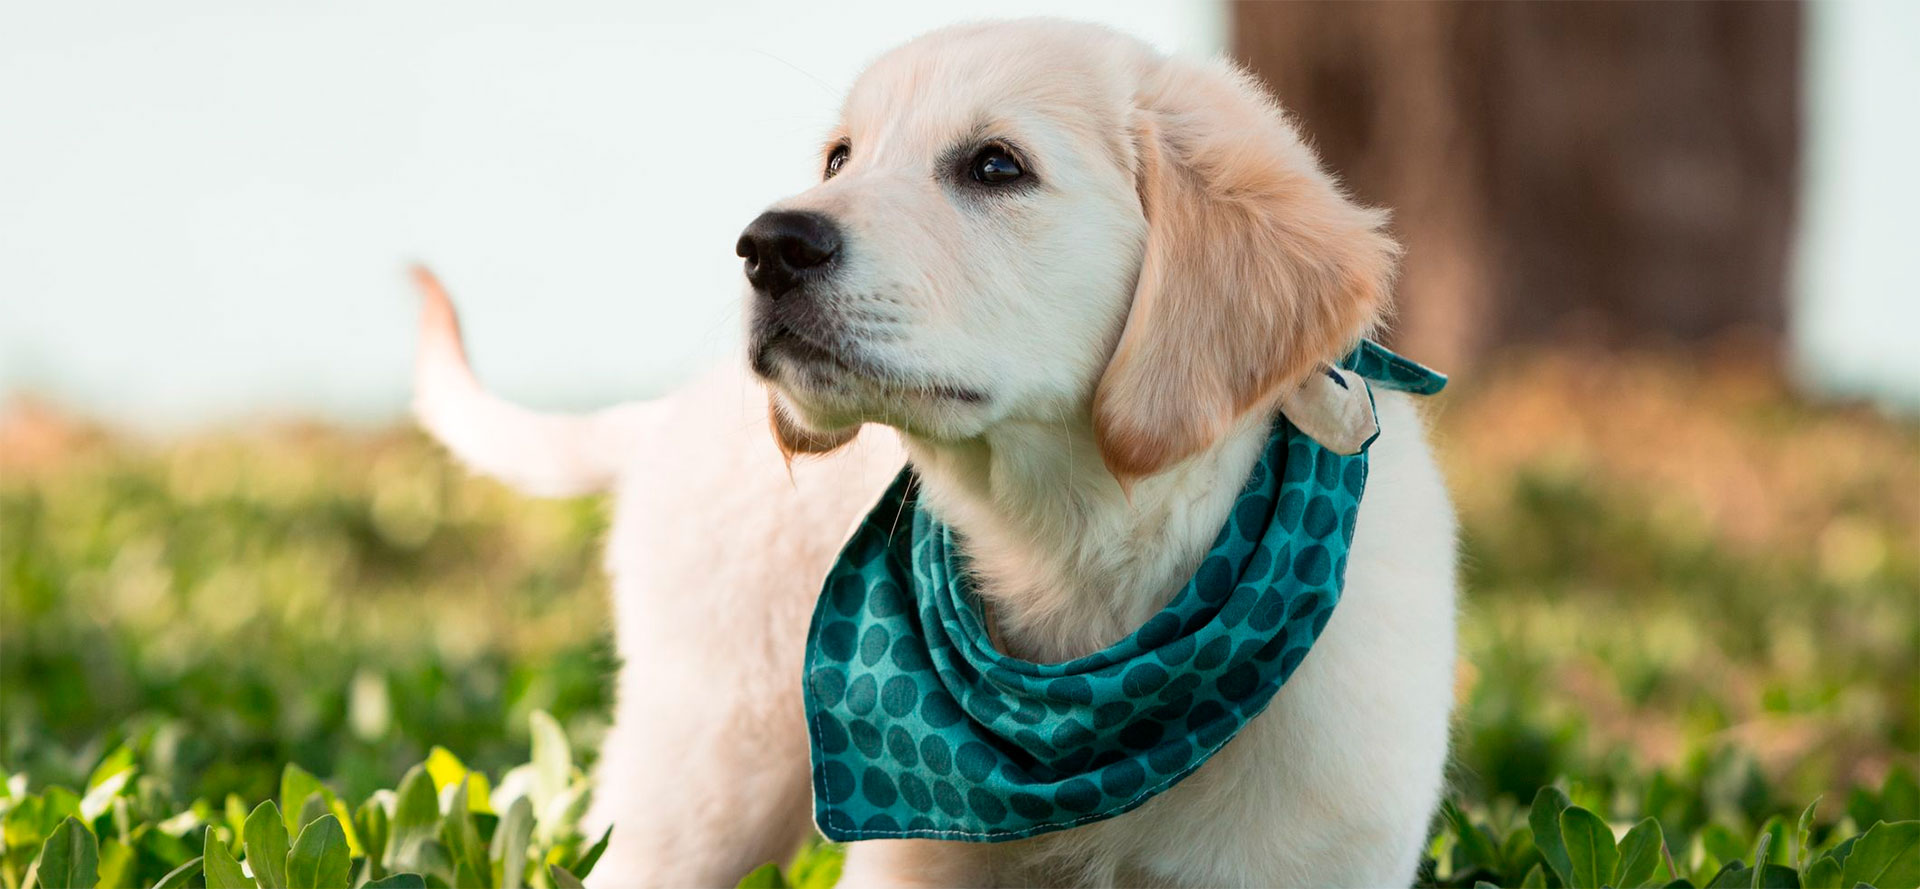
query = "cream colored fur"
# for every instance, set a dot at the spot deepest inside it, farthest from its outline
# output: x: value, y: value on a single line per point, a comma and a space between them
x: 1131, y: 323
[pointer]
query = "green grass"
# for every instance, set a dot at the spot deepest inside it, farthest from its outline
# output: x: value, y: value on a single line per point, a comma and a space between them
x: 232, y: 603
x: 1688, y: 596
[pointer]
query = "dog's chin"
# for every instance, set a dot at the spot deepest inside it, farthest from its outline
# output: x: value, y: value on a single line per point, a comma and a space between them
x: 829, y: 393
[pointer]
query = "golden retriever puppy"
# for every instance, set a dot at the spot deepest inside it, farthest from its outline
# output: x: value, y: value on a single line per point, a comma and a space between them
x: 1072, y: 281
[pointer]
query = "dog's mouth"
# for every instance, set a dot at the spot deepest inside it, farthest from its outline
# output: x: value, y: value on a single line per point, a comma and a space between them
x: 782, y: 354
x: 778, y: 343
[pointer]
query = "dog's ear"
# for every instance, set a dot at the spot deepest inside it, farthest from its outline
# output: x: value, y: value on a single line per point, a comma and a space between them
x: 1257, y: 269
x: 796, y: 440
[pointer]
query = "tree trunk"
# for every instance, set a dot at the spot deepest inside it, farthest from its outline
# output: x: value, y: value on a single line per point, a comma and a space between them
x: 1615, y: 173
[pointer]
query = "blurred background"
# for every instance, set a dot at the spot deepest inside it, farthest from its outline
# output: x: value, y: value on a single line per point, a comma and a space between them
x: 1664, y: 249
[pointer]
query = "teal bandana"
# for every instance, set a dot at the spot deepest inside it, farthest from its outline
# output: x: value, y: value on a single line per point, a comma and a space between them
x: 921, y: 729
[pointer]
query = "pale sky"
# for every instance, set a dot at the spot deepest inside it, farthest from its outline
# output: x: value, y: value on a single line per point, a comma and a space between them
x: 205, y: 211
x: 205, y: 206
x: 1857, y: 278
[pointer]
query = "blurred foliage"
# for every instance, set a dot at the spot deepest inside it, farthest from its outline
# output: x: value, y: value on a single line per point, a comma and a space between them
x: 1666, y: 565
x: 1688, y: 589
x: 229, y: 603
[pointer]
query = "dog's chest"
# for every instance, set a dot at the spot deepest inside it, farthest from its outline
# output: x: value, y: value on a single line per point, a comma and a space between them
x: 1054, y: 600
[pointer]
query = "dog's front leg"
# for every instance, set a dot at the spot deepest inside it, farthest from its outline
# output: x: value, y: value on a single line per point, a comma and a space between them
x: 702, y: 780
x: 917, y: 864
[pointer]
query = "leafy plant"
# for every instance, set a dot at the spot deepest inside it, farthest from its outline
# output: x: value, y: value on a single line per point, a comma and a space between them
x: 1561, y: 844
x: 815, y: 866
x: 443, y: 826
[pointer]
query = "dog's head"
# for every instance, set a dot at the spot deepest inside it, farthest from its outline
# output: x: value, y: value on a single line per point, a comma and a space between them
x: 1038, y: 221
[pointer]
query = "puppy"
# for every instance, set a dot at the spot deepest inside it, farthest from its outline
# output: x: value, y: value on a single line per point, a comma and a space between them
x: 1074, y: 277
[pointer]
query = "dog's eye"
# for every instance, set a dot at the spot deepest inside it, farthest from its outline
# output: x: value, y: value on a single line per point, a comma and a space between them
x: 995, y: 166
x: 837, y: 159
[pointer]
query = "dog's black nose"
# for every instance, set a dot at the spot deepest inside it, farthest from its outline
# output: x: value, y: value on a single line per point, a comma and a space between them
x: 782, y: 248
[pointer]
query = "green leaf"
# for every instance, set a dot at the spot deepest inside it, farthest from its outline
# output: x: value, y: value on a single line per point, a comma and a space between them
x: 223, y: 870
x: 591, y: 857
x: 1732, y: 875
x: 1823, y: 873
x: 1900, y: 795
x: 296, y: 786
x: 1544, y: 817
x: 552, y: 760
x: 818, y: 865
x: 398, y: 881
x: 1475, y: 849
x: 433, y: 862
x: 266, y: 845
x: 1841, y: 852
x: 123, y: 823
x: 510, y: 842
x: 339, y: 809
x: 562, y: 879
x: 115, y: 857
x: 71, y: 857
x: 313, y: 809
x: 479, y: 793
x: 766, y: 876
x: 1590, y: 849
x: 161, y: 847
x: 445, y: 769
x: 179, y: 877
x: 1803, y: 835
x: 1673, y: 871
x: 1639, y: 856
x: 416, y: 817
x: 562, y: 814
x: 120, y: 761
x: 1775, y: 829
x: 234, y: 813
x: 1760, y: 856
x: 1517, y: 852
x: 1722, y: 845
x: 371, y: 821
x: 21, y: 829
x: 1863, y: 807
x: 1738, y: 876
x: 100, y: 798
x: 463, y: 874
x: 180, y: 825
x: 1535, y: 879
x: 319, y: 859
x: 61, y: 802
x: 463, y: 842
x: 1887, y: 856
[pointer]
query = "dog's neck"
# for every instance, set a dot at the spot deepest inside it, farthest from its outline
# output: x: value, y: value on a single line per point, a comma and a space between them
x: 1065, y: 561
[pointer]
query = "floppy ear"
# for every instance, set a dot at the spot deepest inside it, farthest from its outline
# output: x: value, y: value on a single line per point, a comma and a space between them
x: 795, y: 440
x: 1257, y: 269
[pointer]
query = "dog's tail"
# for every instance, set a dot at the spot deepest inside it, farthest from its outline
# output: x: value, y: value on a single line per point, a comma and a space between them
x: 550, y: 455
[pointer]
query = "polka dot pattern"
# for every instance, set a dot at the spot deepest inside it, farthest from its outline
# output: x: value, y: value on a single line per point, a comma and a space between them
x: 921, y: 729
